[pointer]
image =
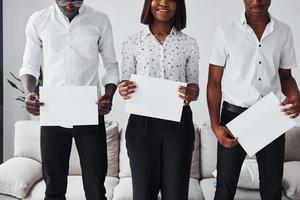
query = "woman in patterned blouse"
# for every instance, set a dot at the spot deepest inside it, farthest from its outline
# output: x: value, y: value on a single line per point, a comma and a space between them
x: 160, y: 151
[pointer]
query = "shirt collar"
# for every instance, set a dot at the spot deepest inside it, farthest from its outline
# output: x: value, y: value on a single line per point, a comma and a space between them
x: 147, y: 32
x: 243, y: 20
x: 80, y: 11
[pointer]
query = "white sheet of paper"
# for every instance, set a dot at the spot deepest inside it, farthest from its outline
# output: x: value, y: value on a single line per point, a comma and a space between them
x: 260, y: 124
x: 156, y: 98
x: 68, y: 106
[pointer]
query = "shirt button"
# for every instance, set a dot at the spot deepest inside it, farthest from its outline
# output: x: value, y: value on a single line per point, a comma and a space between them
x: 259, y: 45
x: 259, y: 79
x: 261, y: 96
x: 259, y: 62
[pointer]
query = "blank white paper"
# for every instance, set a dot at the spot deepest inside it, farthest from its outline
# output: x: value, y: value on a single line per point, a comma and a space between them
x: 157, y: 98
x: 259, y: 125
x: 68, y: 106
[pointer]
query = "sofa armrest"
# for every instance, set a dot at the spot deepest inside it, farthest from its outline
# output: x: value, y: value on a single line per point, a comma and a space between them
x: 18, y: 175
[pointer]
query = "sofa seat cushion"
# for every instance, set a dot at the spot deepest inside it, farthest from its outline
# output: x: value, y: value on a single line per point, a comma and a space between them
x: 75, y: 189
x: 18, y: 175
x: 291, y: 179
x: 208, y: 190
x: 123, y: 191
x: 6, y: 197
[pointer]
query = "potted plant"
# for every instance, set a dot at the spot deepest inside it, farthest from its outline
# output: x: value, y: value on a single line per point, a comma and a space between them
x: 16, y: 83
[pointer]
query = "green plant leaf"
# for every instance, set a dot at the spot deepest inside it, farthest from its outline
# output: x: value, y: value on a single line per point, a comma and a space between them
x: 15, y: 77
x: 20, y: 99
x: 12, y: 84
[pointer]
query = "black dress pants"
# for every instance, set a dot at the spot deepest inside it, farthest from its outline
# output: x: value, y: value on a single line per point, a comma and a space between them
x: 56, y: 143
x: 229, y: 161
x: 160, y: 154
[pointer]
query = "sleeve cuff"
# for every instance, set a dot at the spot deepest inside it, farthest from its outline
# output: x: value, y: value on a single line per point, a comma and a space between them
x: 28, y: 70
x: 110, y: 79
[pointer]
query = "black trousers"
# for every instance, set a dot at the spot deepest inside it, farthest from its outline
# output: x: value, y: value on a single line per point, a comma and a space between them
x: 160, y: 154
x: 270, y: 163
x: 56, y: 143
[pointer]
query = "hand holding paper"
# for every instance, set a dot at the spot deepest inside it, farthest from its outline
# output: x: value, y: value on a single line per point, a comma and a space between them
x: 156, y: 98
x: 260, y: 124
x: 69, y: 106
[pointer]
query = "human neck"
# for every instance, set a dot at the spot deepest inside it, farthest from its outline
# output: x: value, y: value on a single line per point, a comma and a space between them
x: 161, y: 28
x: 257, y: 19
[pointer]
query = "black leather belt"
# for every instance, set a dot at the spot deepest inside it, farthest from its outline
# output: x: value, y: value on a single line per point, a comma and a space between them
x: 233, y: 108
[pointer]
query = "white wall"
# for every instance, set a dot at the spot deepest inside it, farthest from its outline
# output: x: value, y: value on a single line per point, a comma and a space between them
x: 203, y: 17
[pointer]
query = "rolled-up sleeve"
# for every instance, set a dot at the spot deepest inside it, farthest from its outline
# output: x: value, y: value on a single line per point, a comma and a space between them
x: 288, y: 54
x: 192, y: 68
x: 33, y: 53
x: 218, y: 52
x: 107, y: 51
x: 128, y: 60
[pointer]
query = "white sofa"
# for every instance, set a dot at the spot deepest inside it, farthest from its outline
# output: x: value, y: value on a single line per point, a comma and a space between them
x: 21, y: 176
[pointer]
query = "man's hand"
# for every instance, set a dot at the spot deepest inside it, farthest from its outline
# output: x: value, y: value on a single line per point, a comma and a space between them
x: 104, y: 104
x: 126, y: 88
x: 292, y: 108
x: 33, y: 103
x: 189, y: 93
x: 224, y: 136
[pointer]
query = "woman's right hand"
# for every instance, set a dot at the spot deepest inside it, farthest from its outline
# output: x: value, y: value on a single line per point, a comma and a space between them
x: 126, y: 88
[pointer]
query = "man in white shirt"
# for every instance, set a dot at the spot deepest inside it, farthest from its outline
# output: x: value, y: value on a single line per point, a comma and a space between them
x: 66, y: 38
x: 252, y: 55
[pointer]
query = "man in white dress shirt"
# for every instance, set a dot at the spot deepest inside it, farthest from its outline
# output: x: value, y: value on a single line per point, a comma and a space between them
x: 252, y: 55
x: 66, y: 38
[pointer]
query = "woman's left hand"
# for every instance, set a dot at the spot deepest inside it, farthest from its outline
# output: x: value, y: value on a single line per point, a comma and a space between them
x: 189, y: 93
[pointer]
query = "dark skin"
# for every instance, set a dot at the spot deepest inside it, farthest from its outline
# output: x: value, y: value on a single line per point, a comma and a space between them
x: 257, y: 18
x: 163, y: 12
x: 28, y: 81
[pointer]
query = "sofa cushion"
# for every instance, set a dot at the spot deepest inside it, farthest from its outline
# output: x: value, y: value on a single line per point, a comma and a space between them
x: 291, y: 179
x: 27, y: 144
x: 292, y: 144
x: 75, y: 189
x: 7, y: 197
x: 249, y: 175
x: 27, y: 139
x: 113, y: 143
x: 18, y: 175
x: 208, y: 151
x: 124, y: 160
x: 123, y: 191
x: 208, y: 190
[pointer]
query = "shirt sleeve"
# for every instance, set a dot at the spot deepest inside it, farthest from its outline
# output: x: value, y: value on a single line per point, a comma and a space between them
x: 33, y: 53
x: 107, y: 51
x: 192, y: 68
x: 288, y: 54
x: 218, y: 52
x: 128, y: 60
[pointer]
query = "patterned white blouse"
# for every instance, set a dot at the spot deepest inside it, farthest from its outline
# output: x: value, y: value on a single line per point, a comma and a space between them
x: 176, y: 59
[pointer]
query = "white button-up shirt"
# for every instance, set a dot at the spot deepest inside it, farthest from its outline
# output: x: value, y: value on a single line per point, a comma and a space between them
x: 251, y: 66
x: 69, y: 52
x: 176, y: 59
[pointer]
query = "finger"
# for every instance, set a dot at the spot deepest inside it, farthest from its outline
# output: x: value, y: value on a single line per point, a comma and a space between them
x: 287, y: 101
x: 182, y: 91
x: 294, y: 116
x: 182, y: 97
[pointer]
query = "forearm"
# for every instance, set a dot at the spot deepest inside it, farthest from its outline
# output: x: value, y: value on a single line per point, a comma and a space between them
x: 214, y: 96
x: 110, y: 89
x: 28, y: 83
x: 289, y: 87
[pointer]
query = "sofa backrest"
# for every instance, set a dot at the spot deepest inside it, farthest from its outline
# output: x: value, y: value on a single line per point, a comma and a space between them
x: 124, y: 160
x: 27, y: 144
x: 208, y: 149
